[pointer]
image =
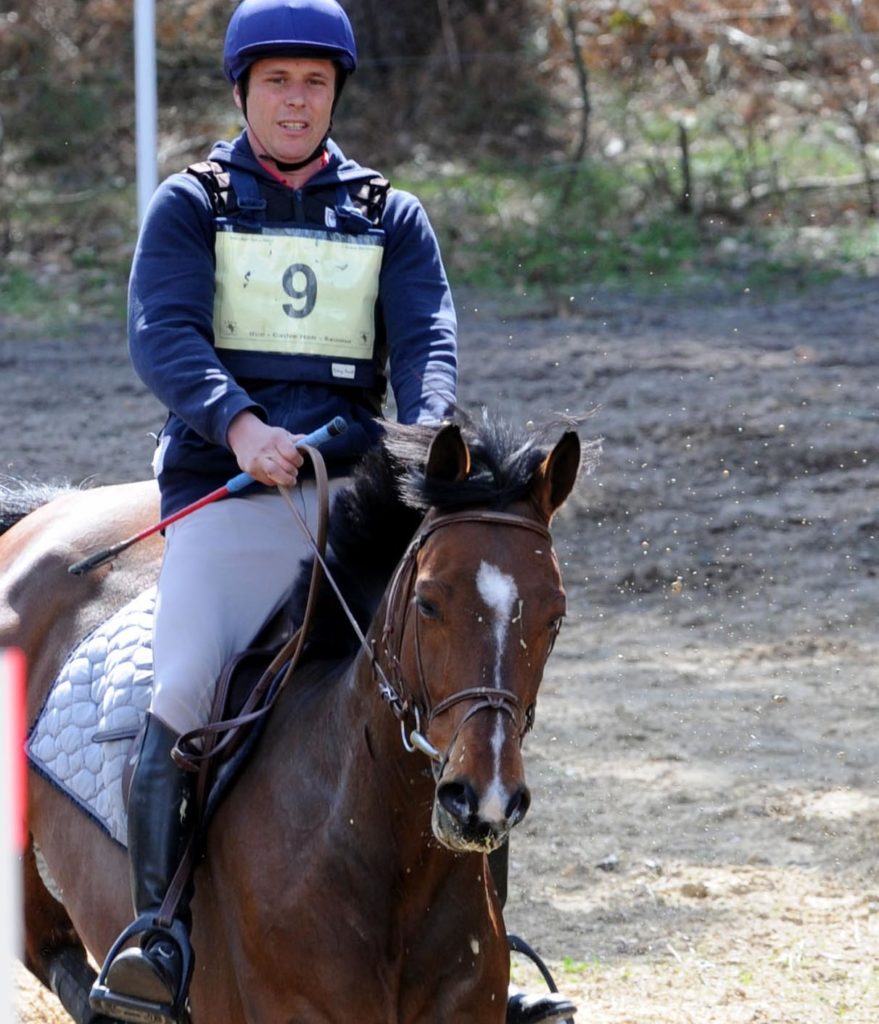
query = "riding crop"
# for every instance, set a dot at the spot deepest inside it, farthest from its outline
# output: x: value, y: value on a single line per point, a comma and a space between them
x: 316, y: 438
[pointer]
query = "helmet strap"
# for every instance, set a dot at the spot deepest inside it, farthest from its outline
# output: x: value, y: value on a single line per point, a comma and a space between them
x: 286, y: 168
x: 282, y: 165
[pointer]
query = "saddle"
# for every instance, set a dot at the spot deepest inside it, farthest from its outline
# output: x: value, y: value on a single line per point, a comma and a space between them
x: 246, y: 689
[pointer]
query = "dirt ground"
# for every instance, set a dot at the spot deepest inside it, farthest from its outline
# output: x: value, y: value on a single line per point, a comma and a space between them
x: 702, y: 844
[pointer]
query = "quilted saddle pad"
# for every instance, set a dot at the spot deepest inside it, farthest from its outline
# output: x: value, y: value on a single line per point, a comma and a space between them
x: 82, y: 736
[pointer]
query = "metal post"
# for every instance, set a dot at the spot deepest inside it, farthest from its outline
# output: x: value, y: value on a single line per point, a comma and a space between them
x: 12, y: 813
x: 145, y: 102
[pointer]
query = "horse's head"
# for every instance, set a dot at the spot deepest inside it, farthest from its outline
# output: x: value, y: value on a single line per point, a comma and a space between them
x: 478, y: 603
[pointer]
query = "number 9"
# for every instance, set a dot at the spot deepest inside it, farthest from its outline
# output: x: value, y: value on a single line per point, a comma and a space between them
x: 306, y: 295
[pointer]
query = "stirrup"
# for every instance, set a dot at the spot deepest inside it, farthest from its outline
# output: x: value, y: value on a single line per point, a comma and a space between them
x: 122, y: 1007
x: 565, y: 1009
x: 546, y: 1008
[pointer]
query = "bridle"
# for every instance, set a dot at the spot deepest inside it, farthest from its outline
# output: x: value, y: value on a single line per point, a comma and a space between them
x: 403, y: 698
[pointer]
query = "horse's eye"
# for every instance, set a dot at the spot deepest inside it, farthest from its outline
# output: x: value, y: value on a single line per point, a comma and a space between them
x: 426, y: 608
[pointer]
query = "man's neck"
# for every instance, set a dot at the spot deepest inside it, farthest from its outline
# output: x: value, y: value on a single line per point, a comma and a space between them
x: 292, y: 179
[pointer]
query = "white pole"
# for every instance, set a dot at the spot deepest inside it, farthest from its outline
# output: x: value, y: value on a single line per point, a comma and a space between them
x: 146, y: 103
x: 12, y: 672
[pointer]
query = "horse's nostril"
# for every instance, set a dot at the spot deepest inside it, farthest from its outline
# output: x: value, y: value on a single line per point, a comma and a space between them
x: 518, y: 805
x: 459, y: 799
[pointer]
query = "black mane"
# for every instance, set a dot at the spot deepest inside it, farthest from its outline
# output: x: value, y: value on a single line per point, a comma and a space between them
x: 502, y: 462
x: 18, y: 498
x: 374, y: 519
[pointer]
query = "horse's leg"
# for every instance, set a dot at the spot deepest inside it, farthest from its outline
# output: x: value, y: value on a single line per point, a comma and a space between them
x: 521, y: 1008
x: 53, y: 952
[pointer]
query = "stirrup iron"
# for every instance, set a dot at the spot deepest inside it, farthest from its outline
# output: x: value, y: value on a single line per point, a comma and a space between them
x: 123, y: 1007
x: 519, y: 945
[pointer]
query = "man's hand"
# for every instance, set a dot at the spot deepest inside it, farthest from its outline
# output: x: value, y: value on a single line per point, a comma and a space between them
x: 269, y: 454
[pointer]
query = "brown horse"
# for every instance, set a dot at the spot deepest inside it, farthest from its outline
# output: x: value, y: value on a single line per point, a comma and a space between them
x: 345, y: 875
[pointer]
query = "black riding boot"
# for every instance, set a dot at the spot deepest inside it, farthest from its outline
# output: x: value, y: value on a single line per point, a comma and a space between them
x: 148, y: 983
x: 521, y: 1008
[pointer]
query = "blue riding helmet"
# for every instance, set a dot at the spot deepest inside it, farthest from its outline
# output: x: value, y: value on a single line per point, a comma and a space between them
x: 294, y: 28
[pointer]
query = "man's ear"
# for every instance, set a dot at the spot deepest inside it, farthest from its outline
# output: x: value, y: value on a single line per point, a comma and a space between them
x: 236, y: 95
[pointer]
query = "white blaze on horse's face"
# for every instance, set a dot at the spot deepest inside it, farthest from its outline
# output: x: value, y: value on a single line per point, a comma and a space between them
x: 485, y: 615
x: 500, y: 593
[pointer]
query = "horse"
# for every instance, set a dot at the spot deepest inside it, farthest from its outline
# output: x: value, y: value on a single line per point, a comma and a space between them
x: 344, y: 876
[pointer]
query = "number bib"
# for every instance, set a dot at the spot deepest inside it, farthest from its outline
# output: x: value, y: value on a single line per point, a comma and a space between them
x: 295, y: 291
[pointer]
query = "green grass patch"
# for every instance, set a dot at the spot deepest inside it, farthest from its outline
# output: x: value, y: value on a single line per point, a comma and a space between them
x: 21, y: 293
x: 69, y: 252
x: 64, y: 299
x: 519, y: 230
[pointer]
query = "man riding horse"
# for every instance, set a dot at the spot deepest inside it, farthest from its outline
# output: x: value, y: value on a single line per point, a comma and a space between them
x: 242, y: 325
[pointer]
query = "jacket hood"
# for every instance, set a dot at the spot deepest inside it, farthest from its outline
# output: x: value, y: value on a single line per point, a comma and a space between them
x: 339, y: 168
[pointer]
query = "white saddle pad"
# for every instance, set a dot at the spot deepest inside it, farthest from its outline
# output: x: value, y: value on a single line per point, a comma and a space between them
x: 105, y: 684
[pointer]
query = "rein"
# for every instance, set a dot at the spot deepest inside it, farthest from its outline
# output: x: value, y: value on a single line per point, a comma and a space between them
x: 393, y: 691
x: 214, y: 737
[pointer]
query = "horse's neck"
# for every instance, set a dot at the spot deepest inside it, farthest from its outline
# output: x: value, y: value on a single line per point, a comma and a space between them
x: 350, y: 809
x: 388, y: 793
x: 372, y: 776
x: 388, y: 775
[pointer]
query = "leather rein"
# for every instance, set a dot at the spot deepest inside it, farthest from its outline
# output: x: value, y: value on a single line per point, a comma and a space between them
x: 394, y: 691
x: 196, y: 748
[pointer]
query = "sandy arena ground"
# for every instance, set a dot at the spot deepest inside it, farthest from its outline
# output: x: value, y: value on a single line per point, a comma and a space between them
x: 701, y: 847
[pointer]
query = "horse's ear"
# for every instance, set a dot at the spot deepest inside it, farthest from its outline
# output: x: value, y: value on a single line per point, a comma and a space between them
x: 448, y: 457
x: 554, y: 478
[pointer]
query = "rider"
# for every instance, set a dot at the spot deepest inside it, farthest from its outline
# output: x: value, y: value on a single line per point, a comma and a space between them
x: 241, y: 325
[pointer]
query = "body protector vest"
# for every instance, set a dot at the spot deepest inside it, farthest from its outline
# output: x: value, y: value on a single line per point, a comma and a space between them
x: 298, y: 301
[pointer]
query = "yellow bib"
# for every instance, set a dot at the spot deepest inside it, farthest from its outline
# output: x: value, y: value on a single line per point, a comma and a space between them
x: 296, y: 291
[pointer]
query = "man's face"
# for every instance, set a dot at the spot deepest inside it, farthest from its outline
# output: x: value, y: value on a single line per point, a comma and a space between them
x: 289, y: 105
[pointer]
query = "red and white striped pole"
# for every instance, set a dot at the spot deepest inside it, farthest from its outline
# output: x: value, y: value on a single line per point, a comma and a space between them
x: 12, y: 814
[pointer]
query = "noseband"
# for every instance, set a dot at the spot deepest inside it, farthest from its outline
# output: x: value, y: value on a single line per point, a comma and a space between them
x: 398, y: 695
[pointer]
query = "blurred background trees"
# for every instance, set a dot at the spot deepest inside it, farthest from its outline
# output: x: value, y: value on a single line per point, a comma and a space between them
x: 554, y: 140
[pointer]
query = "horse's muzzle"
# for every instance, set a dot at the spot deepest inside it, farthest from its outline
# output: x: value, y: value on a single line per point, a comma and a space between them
x: 464, y: 820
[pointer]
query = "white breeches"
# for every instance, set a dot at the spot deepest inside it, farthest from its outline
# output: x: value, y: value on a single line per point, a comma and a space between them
x: 226, y: 569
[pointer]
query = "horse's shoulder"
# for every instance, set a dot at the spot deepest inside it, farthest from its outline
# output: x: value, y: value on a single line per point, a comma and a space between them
x: 122, y: 509
x: 72, y: 525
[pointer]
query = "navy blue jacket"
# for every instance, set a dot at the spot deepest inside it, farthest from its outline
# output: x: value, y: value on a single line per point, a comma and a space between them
x: 170, y: 327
